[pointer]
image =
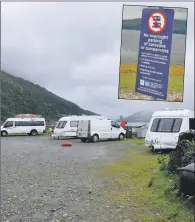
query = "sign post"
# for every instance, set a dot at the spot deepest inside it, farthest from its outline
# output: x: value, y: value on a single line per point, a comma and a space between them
x: 154, y: 52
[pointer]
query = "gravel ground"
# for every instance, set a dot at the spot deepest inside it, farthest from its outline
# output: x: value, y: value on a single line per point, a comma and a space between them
x: 172, y: 96
x: 42, y: 181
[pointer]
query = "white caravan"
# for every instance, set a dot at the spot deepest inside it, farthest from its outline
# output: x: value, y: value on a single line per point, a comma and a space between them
x: 165, y: 127
x: 67, y: 126
x: 95, y: 130
x: 23, y: 125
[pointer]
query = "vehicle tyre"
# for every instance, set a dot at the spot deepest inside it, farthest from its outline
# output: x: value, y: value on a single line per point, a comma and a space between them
x: 121, y: 136
x: 83, y: 140
x: 33, y: 133
x: 4, y: 133
x: 95, y: 138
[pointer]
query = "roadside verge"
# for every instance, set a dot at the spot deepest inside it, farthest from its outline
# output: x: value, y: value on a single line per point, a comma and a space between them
x: 138, y: 186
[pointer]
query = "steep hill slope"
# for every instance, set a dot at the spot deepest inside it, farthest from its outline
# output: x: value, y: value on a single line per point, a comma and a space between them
x: 21, y: 96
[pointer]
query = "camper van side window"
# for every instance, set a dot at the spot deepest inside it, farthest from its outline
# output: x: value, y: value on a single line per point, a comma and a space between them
x: 37, y: 123
x: 154, y: 125
x: 177, y: 125
x: 17, y: 123
x: 73, y: 123
x: 25, y: 123
x: 165, y: 125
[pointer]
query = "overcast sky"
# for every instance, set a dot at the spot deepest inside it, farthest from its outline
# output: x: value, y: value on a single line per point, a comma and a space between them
x: 73, y: 50
x: 132, y: 11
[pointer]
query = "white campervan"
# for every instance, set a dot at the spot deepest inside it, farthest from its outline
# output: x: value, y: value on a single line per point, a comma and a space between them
x: 67, y: 126
x: 165, y: 127
x: 95, y: 130
x: 23, y: 125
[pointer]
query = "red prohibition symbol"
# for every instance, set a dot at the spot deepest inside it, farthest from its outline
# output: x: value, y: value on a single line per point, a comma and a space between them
x: 156, y: 22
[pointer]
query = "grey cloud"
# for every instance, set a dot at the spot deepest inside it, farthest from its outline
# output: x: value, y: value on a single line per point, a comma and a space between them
x: 128, y: 13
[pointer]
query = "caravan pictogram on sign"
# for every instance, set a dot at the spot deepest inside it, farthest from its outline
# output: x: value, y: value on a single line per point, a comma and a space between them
x: 156, y: 22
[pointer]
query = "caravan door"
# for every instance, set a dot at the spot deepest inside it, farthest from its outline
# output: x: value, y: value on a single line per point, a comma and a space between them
x: 72, y: 129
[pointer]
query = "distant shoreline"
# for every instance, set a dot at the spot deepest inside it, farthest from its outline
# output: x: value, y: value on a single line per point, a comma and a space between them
x: 130, y: 46
x: 175, y: 33
x: 127, y: 30
x: 180, y: 26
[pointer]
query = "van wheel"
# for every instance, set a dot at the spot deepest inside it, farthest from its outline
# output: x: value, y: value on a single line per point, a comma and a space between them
x: 121, y: 136
x: 83, y: 140
x: 95, y: 138
x: 33, y: 133
x: 4, y: 133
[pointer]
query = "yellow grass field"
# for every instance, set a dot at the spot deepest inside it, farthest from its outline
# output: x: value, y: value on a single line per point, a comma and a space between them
x: 128, y: 78
x: 176, y: 70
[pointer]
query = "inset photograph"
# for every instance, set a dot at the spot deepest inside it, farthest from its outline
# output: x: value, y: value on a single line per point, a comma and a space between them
x: 152, y: 56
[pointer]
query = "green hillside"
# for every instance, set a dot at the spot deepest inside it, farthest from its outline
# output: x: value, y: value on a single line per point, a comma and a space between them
x: 180, y: 26
x: 21, y: 96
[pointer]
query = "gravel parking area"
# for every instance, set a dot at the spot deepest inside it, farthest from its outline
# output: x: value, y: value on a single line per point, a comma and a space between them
x: 42, y: 181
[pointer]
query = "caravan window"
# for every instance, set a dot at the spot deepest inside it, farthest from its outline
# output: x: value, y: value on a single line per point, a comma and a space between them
x: 61, y: 124
x: 154, y: 125
x: 166, y: 125
x: 58, y: 125
x: 73, y: 123
x: 177, y: 125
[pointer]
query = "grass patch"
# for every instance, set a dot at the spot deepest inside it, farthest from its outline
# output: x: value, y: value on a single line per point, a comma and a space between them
x: 129, y: 180
x: 135, y: 140
x: 128, y: 78
x: 175, y: 84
